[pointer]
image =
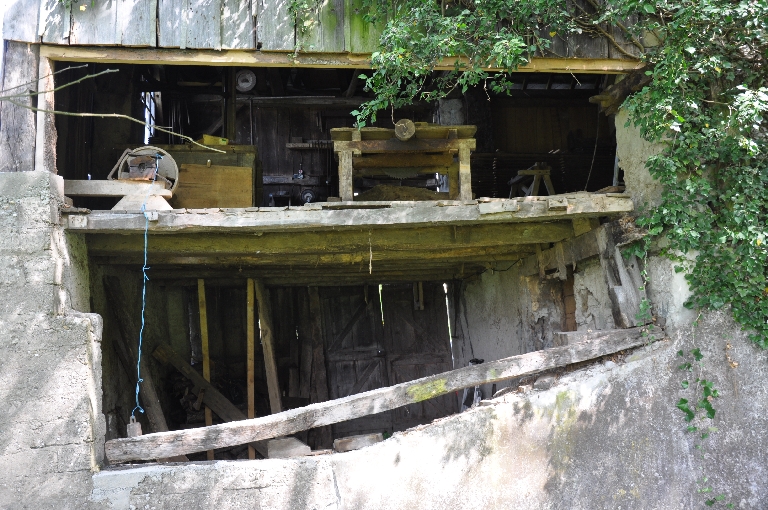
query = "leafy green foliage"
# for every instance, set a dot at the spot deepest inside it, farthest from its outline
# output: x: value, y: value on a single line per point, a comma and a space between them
x: 706, y: 104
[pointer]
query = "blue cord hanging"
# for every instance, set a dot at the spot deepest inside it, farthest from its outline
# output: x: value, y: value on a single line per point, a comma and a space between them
x: 145, y: 278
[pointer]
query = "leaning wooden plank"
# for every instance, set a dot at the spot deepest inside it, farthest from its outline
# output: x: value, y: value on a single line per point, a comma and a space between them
x: 212, y: 398
x: 127, y: 355
x: 268, y: 345
x: 574, y: 337
x: 362, y: 404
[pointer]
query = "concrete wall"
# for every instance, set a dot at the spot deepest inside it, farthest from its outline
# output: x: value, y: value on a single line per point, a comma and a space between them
x: 605, y: 436
x: 51, y: 427
x: 501, y: 313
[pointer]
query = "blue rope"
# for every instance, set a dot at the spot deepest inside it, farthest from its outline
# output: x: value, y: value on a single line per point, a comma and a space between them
x: 145, y: 278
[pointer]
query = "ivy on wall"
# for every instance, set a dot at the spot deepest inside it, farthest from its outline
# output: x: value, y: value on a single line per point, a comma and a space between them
x: 705, y: 102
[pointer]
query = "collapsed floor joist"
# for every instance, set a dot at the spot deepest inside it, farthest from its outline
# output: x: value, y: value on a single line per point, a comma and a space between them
x: 166, y: 444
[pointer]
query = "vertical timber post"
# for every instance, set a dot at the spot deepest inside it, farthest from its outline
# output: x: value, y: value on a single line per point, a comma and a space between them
x: 250, y: 357
x: 267, y: 343
x: 206, y: 353
x: 465, y: 177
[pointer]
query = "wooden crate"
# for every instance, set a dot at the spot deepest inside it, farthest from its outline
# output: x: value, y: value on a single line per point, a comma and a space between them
x: 202, y: 186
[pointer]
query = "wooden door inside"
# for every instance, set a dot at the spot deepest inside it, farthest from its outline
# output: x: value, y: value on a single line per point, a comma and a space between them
x: 375, y: 339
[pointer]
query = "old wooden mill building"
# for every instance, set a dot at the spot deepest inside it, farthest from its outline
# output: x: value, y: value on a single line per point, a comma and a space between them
x: 303, y: 273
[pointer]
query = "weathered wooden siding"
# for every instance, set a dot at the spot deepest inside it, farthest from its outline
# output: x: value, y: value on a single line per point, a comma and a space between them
x: 241, y: 24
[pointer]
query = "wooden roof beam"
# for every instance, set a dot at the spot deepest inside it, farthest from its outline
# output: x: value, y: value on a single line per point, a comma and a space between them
x: 251, y: 58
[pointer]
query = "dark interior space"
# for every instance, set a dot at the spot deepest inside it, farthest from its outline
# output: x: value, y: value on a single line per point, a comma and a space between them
x: 278, y: 122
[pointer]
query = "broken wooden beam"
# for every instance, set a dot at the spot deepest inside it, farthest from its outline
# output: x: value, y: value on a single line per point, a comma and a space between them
x: 379, y: 400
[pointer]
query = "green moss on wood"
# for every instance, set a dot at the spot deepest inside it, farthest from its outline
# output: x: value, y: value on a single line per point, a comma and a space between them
x: 427, y: 390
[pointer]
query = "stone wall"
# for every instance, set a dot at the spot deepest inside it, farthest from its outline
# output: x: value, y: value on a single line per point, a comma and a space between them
x: 51, y: 427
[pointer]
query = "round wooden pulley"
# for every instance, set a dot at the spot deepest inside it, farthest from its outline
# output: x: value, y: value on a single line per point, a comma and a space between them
x: 405, y: 129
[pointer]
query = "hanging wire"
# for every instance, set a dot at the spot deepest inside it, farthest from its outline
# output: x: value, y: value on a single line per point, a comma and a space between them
x: 145, y: 278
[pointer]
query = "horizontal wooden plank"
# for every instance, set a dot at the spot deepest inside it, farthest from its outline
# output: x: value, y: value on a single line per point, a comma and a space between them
x: 107, y: 188
x: 395, y: 145
x: 166, y: 444
x: 397, y: 160
x: 148, y: 56
x: 372, y: 215
x: 287, y: 179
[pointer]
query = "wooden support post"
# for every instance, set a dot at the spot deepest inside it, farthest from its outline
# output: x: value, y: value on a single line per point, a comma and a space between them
x: 18, y: 121
x: 267, y: 344
x: 465, y: 177
x: 206, y: 353
x: 322, y: 436
x: 250, y: 355
x: 370, y: 402
x: 346, y: 185
x: 231, y: 105
x: 453, y: 182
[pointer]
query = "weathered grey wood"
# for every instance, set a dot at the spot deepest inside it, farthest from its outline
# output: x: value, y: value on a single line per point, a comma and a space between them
x: 274, y: 30
x: 106, y: 188
x: 171, y: 24
x: 465, y: 177
x: 625, y: 283
x: 18, y: 124
x: 212, y: 398
x: 319, y: 388
x: 54, y: 23
x: 203, y: 24
x: 347, y: 444
x: 268, y: 346
x: 325, y: 216
x: 362, y: 404
x: 96, y: 25
x: 346, y: 188
x: 45, y: 142
x: 237, y: 28
x: 137, y: 22
x: 21, y: 20
x: 574, y: 337
x: 327, y: 33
